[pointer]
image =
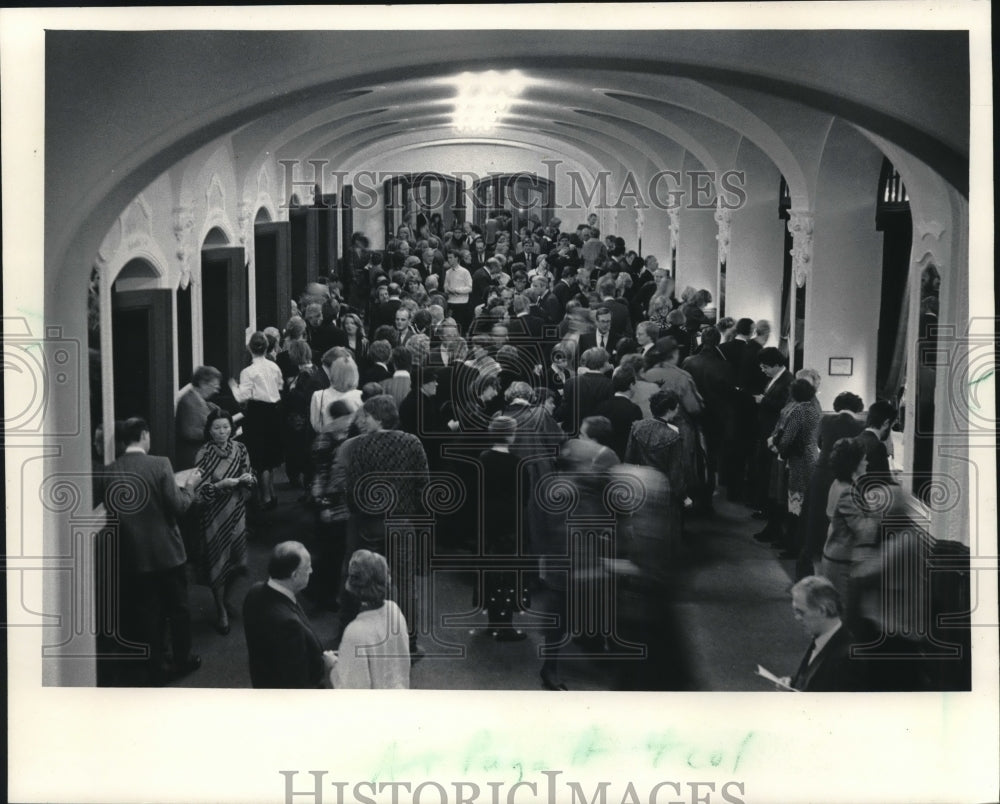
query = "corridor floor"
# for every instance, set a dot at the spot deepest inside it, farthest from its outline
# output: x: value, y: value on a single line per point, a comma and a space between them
x: 729, y: 612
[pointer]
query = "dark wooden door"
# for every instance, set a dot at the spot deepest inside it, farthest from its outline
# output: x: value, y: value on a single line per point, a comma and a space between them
x: 143, y: 355
x: 224, y: 310
x: 304, y: 248
x: 347, y: 227
x: 272, y: 269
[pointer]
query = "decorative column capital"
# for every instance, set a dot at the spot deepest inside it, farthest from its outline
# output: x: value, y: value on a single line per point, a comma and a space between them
x: 183, y: 228
x: 675, y: 225
x: 244, y: 216
x: 724, y: 219
x: 800, y: 227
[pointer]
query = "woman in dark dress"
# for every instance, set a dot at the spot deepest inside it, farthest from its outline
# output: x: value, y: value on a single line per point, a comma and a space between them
x: 298, y: 432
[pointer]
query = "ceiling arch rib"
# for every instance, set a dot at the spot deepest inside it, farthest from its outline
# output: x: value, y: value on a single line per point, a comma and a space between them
x: 365, y: 155
x: 528, y: 135
x: 714, y: 104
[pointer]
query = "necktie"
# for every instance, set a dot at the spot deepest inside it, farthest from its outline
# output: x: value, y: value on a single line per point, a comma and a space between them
x: 804, y: 666
x: 600, y: 341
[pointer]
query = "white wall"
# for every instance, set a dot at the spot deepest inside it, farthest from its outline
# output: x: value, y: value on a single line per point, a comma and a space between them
x: 844, y: 290
x: 753, y: 272
x: 698, y: 250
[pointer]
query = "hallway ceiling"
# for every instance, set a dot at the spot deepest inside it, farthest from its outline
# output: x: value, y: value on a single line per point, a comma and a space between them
x: 122, y: 107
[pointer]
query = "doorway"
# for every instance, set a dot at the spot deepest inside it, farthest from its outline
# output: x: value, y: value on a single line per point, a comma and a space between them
x: 224, y: 310
x: 143, y: 364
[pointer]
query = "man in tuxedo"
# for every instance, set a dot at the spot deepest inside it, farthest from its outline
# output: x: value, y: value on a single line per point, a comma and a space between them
x: 142, y: 498
x: 283, y: 649
x: 827, y: 665
x: 605, y: 336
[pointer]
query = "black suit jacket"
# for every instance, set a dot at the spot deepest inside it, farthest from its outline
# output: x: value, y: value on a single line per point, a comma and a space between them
x: 749, y: 377
x: 833, y: 670
x: 770, y: 406
x: 284, y: 651
x: 621, y: 319
x: 375, y: 373
x: 714, y: 377
x: 876, y: 452
x: 588, y: 340
x: 582, y: 396
x: 622, y: 413
x: 734, y: 351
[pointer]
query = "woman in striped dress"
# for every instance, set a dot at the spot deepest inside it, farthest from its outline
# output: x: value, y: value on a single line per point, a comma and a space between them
x: 227, y: 483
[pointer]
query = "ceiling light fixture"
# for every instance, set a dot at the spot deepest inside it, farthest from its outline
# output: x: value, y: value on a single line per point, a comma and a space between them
x: 484, y: 99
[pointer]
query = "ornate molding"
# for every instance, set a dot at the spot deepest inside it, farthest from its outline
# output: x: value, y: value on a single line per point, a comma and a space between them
x: 932, y: 249
x: 183, y: 229
x: 215, y: 195
x: 800, y: 226
x: 675, y: 226
x: 724, y: 220
x: 244, y: 217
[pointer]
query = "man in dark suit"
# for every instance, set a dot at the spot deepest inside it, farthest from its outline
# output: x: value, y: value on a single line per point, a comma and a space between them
x: 377, y: 368
x: 384, y: 312
x: 621, y: 321
x: 741, y: 353
x: 735, y: 350
x: 881, y: 416
x: 587, y: 391
x: 769, y: 405
x: 142, y: 497
x: 322, y: 335
x: 605, y: 337
x: 714, y: 378
x: 283, y: 649
x: 827, y: 665
x: 620, y: 410
x: 566, y: 288
x: 749, y: 376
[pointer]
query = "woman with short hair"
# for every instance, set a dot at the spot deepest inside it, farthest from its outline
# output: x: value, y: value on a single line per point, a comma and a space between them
x: 374, y: 652
x: 343, y: 373
x: 226, y: 484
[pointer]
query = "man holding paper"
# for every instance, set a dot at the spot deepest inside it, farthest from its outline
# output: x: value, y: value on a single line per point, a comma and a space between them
x: 827, y: 665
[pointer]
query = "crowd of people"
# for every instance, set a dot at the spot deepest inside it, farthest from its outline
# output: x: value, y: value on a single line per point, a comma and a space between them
x: 533, y: 355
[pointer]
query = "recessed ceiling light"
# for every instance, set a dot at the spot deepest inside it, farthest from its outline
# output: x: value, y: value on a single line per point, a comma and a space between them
x: 484, y: 99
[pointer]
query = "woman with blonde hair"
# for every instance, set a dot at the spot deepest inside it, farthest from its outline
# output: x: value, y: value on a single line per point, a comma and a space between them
x: 343, y: 373
x: 374, y: 650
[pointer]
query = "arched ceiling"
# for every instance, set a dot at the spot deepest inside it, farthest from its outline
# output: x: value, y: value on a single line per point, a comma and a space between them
x: 615, y: 100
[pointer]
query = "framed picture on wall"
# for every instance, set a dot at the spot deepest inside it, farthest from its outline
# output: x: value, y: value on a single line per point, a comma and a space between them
x: 841, y: 367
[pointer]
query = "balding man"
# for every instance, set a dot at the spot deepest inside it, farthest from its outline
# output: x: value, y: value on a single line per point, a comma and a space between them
x: 827, y: 665
x: 284, y: 651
